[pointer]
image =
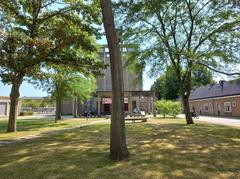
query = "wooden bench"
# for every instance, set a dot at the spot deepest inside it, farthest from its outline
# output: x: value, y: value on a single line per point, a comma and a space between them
x: 133, y: 119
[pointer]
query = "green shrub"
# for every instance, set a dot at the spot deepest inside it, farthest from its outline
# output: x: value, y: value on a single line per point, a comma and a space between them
x: 26, y: 113
x: 167, y: 107
x: 176, y: 108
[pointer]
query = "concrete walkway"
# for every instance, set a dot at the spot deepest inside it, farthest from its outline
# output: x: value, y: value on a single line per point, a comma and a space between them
x: 45, y: 134
x: 220, y: 120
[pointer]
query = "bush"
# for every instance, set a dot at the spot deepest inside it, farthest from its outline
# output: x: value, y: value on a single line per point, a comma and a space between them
x: 26, y: 113
x: 167, y: 107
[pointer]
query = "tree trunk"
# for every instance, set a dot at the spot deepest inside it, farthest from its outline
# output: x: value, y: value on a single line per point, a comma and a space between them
x: 14, y: 97
x: 58, y: 109
x: 75, y: 108
x: 186, y: 108
x: 118, y: 146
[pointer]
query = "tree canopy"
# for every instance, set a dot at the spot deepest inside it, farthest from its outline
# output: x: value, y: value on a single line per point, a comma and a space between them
x: 66, y: 83
x: 38, y: 33
x: 183, y: 34
x: 167, y: 85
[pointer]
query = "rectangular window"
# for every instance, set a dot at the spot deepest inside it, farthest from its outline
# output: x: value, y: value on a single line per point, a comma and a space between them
x: 218, y: 107
x: 227, y: 107
x: 205, y: 107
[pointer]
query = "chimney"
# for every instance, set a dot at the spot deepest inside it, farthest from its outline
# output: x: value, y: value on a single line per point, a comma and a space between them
x: 221, y: 82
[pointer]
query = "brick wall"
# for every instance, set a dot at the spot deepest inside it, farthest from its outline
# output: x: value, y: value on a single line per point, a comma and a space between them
x: 223, y: 106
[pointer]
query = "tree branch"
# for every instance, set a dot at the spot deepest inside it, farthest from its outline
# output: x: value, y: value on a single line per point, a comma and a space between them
x: 215, y: 70
x: 218, y: 30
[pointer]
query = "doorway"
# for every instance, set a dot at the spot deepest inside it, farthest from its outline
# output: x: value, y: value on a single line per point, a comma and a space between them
x: 107, y: 110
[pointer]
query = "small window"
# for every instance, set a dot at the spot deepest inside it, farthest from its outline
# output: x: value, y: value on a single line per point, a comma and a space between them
x: 234, y: 104
x: 205, y: 107
x: 227, y: 107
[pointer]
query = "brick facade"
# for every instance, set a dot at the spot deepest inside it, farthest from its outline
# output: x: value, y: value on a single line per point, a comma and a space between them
x: 219, y: 106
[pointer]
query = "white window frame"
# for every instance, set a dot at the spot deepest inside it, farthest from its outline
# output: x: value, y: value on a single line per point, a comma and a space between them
x: 228, y: 104
x: 204, y: 107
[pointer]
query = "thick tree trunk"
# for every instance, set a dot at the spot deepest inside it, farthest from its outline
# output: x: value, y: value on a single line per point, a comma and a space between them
x: 14, y: 97
x: 75, y: 108
x: 58, y: 115
x: 186, y: 108
x: 118, y: 146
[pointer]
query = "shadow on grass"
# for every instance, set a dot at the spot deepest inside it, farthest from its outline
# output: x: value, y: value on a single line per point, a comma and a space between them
x: 30, y: 124
x: 37, y: 124
x: 164, y: 150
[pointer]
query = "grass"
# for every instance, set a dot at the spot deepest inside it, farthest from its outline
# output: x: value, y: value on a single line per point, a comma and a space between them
x: 32, y: 126
x: 163, y: 148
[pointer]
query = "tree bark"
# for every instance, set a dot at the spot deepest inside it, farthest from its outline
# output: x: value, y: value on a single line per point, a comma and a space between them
x: 186, y: 108
x: 118, y: 146
x: 75, y: 108
x: 14, y: 98
x: 58, y: 115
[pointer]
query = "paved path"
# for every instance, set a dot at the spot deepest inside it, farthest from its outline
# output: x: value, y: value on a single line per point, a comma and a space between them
x: 220, y: 120
x: 45, y: 134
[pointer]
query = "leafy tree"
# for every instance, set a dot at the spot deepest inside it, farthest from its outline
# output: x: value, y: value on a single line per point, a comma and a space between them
x: 201, y: 76
x: 167, y: 85
x: 158, y: 87
x: 38, y: 33
x: 183, y: 34
x: 163, y: 107
x: 34, y: 104
x: 82, y: 89
x: 176, y: 108
x: 47, y: 102
x: 118, y: 146
x: 65, y: 83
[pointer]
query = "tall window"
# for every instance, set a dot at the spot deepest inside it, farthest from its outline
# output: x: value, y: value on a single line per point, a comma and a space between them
x: 227, y: 107
x: 205, y: 107
x: 218, y: 107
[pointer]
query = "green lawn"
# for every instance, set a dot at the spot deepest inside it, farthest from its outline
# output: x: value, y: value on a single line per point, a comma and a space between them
x: 163, y: 148
x: 29, y: 126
